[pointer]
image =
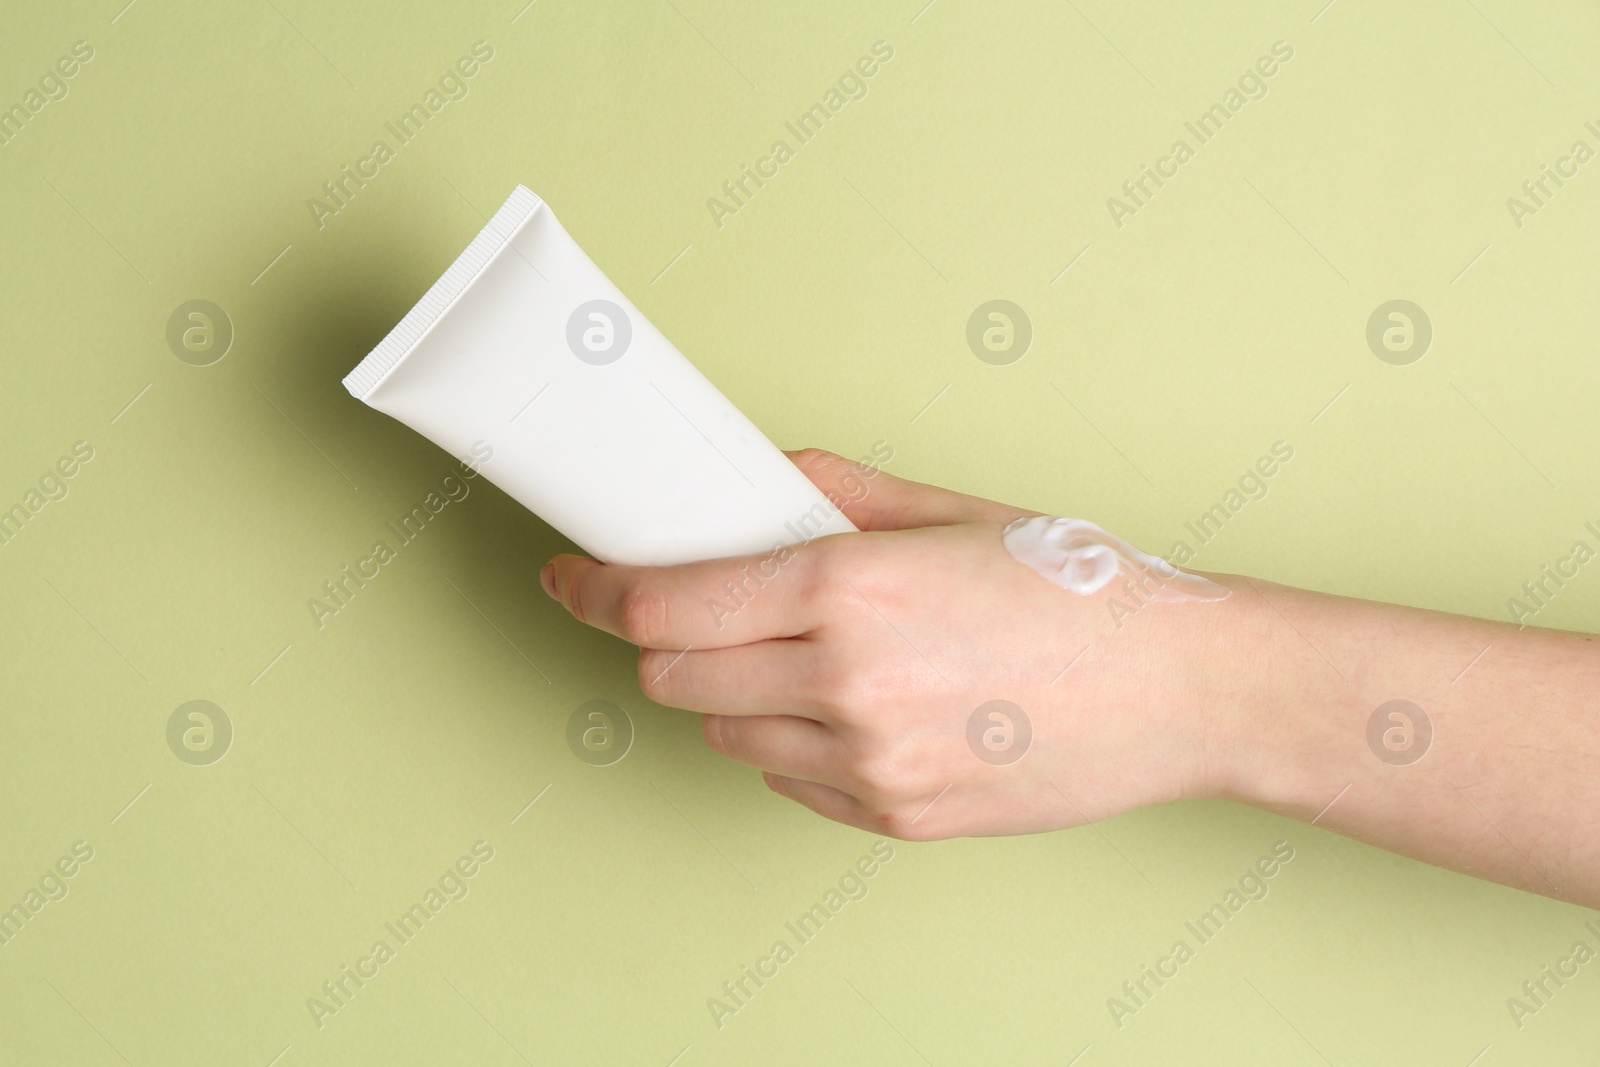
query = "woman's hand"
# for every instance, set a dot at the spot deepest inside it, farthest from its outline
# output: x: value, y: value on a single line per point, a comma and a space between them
x: 855, y: 669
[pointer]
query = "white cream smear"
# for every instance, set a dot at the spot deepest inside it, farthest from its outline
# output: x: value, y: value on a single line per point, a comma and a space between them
x: 1079, y: 556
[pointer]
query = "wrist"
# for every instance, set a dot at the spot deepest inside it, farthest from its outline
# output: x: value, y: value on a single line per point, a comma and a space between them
x: 1263, y: 682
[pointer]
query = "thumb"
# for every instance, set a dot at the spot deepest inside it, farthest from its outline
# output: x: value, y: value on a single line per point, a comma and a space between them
x: 874, y: 500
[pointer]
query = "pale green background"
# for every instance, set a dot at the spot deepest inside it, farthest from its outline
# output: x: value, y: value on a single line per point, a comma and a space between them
x: 374, y: 752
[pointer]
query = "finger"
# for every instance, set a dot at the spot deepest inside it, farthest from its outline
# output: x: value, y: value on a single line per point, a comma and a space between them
x: 762, y: 678
x: 712, y: 604
x: 783, y: 744
x: 825, y: 800
x: 874, y: 500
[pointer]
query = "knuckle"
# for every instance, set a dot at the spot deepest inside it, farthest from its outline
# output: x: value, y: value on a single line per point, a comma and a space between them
x: 642, y: 614
x: 808, y: 459
x: 836, y: 579
x: 574, y: 598
x: 888, y: 774
x: 820, y: 580
x: 883, y: 772
x: 849, y: 690
x: 717, y: 730
x: 655, y: 680
x: 901, y: 823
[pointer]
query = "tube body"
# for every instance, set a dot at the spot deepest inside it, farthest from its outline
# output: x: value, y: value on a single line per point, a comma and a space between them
x: 527, y: 352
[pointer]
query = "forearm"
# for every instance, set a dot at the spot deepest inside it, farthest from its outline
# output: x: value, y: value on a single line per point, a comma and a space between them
x: 1508, y: 786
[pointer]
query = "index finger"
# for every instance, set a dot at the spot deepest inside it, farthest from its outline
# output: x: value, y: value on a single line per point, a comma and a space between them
x: 715, y: 603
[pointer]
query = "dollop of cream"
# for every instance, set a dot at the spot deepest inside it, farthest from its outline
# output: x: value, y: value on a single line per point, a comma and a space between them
x: 1079, y: 556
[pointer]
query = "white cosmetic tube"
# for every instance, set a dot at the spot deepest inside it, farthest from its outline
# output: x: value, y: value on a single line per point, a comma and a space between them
x: 527, y: 353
